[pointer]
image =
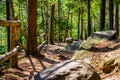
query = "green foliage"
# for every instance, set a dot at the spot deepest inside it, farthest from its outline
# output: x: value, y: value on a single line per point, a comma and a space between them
x: 3, y: 49
x: 20, y: 7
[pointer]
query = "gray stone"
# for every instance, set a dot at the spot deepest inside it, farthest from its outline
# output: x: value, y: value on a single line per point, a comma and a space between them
x: 69, y: 70
x: 73, y: 46
x: 110, y: 34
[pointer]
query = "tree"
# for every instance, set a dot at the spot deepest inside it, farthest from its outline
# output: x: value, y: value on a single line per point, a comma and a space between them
x: 78, y: 23
x: 8, y: 18
x: 117, y: 18
x: 31, y: 27
x: 102, y: 15
x: 59, y: 27
x: 89, y: 21
x: 66, y: 27
x: 82, y: 23
x: 111, y: 14
x: 52, y: 25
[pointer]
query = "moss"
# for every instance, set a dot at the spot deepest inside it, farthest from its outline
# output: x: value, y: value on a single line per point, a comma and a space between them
x: 81, y: 54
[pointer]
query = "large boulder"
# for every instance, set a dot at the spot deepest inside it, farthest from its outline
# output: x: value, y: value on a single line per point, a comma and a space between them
x: 69, y: 70
x: 110, y: 34
x: 97, y: 37
x: 83, y: 55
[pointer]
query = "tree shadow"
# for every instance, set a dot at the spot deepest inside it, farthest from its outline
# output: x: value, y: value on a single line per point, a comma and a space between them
x: 49, y: 61
x: 104, y: 49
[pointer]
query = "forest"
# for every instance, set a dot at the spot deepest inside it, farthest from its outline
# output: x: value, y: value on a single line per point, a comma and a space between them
x: 59, y: 40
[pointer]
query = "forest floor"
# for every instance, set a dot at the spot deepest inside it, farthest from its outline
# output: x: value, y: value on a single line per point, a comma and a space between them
x: 54, y: 54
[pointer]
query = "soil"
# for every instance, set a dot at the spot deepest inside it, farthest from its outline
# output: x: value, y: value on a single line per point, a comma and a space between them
x: 29, y: 66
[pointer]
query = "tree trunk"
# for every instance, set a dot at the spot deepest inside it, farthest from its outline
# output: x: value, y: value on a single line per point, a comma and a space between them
x: 12, y: 10
x: 52, y: 25
x: 66, y: 27
x: 71, y: 26
x: 111, y: 14
x: 59, y: 27
x: 31, y: 27
x: 82, y: 24
x: 102, y: 16
x: 44, y: 21
x: 78, y: 23
x: 89, y: 21
x: 8, y: 18
x: 117, y: 18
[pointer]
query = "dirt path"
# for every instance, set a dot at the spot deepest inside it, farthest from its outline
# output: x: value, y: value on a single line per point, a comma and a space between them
x: 55, y: 54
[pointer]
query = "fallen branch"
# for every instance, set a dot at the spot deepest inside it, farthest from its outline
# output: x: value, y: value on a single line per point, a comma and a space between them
x: 41, y: 46
x: 8, y: 55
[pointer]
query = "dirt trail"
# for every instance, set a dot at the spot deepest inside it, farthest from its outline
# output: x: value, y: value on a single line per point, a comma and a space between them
x: 55, y: 54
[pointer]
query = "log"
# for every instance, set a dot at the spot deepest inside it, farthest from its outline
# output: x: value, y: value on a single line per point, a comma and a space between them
x: 41, y: 46
x: 10, y: 23
x: 8, y: 55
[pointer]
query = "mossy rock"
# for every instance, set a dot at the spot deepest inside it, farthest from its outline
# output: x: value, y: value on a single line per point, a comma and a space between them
x: 81, y: 54
x: 90, y: 42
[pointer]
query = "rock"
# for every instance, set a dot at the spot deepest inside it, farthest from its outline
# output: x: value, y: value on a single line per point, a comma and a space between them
x: 110, y: 34
x: 69, y: 40
x: 109, y: 65
x: 73, y: 46
x: 83, y: 54
x: 68, y: 70
x: 90, y: 42
x: 96, y: 38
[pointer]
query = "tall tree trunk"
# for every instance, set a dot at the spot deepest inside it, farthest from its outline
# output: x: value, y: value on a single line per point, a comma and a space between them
x: 89, y: 21
x: 71, y: 26
x: 82, y: 24
x: 32, y: 27
x: 117, y: 18
x: 52, y: 25
x: 12, y: 10
x: 59, y: 27
x: 8, y: 18
x: 102, y: 15
x: 78, y: 23
x: 44, y: 21
x: 66, y: 27
x: 111, y: 14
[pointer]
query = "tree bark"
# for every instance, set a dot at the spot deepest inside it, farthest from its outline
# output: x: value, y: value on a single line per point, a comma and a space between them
x: 8, y: 18
x: 32, y: 27
x: 66, y: 27
x: 71, y: 25
x: 111, y: 14
x: 51, y: 39
x: 59, y: 27
x: 102, y: 16
x: 117, y: 19
x: 82, y: 24
x: 89, y: 20
x: 78, y: 23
